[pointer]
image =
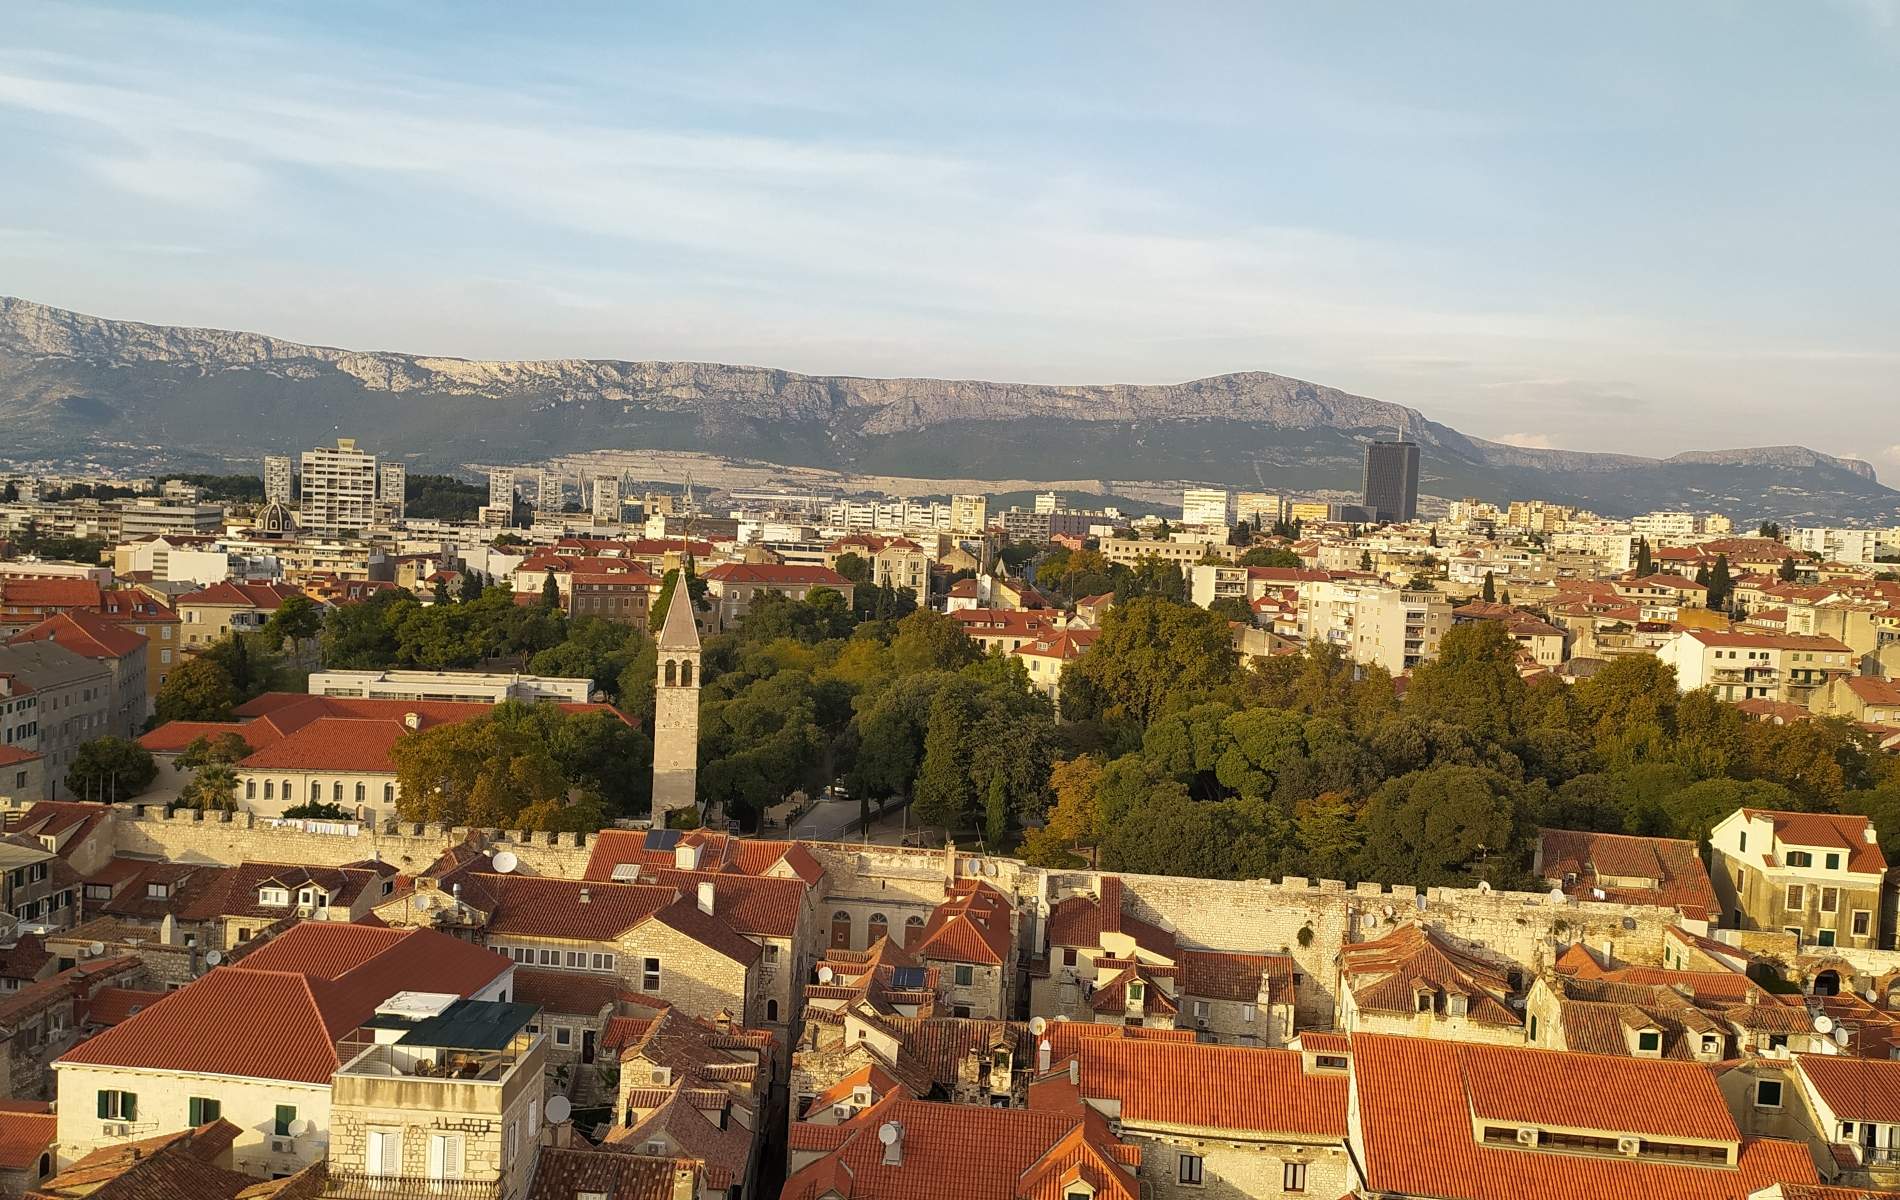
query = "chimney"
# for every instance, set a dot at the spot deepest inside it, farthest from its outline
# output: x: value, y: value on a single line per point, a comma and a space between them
x: 412, y: 721
x: 168, y: 929
x: 1075, y: 1071
x: 685, y: 1183
x: 949, y: 864
x: 706, y: 896
x: 685, y: 857
x: 587, y: 897
x: 1043, y: 1051
x: 1869, y: 835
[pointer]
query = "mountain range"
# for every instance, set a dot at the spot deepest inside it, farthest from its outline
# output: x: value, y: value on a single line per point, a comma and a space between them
x: 76, y: 388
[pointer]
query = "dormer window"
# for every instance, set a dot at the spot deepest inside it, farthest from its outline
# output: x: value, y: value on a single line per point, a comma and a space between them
x: 1833, y: 862
x: 312, y: 898
x: 157, y: 891
x: 273, y: 897
x: 1137, y: 993
x: 1649, y: 1041
x: 1800, y: 858
x: 1456, y: 1005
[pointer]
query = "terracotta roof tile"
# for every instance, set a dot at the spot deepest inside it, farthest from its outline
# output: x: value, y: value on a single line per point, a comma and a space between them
x: 1259, y: 1091
x: 24, y: 1136
x: 1856, y: 1089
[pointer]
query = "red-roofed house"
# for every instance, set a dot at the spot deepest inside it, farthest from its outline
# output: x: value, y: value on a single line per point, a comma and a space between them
x: 1415, y: 981
x: 26, y: 602
x: 1749, y: 666
x: 27, y: 1132
x: 1866, y: 698
x: 974, y: 933
x: 113, y: 646
x: 732, y: 586
x: 1453, y: 1121
x: 137, y: 612
x: 1853, y: 1104
x: 257, y: 1043
x: 1047, y: 657
x: 1627, y: 870
x: 1818, y: 876
x: 206, y: 616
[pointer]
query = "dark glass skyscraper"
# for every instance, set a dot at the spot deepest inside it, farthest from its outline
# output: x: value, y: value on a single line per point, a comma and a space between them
x: 1392, y: 480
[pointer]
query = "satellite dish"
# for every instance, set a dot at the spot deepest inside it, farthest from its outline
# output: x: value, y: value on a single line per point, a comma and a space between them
x: 1873, y: 996
x: 889, y: 1133
x: 1484, y: 886
x: 1556, y: 895
x: 1060, y: 1017
x: 559, y: 1110
x: 298, y: 1127
x: 1037, y: 1025
x: 506, y: 862
x: 97, y: 949
x: 1370, y: 921
x: 825, y: 974
x: 989, y: 868
x: 975, y: 867
x: 1823, y: 1023
x: 213, y: 957
x: 425, y: 902
x: 1388, y: 912
x: 1842, y: 1036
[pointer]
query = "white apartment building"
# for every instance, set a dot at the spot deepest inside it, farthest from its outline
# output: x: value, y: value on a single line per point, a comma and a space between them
x: 1751, y: 666
x: 474, y: 687
x: 1615, y: 550
x: 1048, y: 502
x: 1375, y: 623
x: 156, y: 518
x: 279, y: 483
x: 501, y: 489
x: 551, y: 493
x: 1846, y: 545
x: 339, y: 489
x: 964, y: 514
x: 969, y: 514
x: 1206, y: 506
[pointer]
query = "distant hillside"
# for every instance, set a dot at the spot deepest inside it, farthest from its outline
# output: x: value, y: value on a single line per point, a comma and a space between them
x: 123, y: 393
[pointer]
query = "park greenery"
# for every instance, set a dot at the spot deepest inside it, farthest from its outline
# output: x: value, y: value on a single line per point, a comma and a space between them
x: 1172, y: 754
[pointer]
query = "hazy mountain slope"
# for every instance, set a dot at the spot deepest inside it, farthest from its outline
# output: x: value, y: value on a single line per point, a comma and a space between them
x: 126, y: 392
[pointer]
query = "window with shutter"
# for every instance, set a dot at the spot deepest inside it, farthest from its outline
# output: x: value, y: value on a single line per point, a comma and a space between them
x: 445, y: 1156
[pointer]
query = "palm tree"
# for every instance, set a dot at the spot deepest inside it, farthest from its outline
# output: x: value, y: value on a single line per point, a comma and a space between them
x: 212, y: 789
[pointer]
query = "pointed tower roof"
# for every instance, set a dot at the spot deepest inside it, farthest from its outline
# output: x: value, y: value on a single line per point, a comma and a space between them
x: 679, y: 631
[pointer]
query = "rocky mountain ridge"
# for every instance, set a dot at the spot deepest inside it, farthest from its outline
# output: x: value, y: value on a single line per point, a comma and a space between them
x: 67, y: 379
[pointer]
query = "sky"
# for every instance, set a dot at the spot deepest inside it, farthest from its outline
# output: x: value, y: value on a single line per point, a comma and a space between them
x: 1636, y: 227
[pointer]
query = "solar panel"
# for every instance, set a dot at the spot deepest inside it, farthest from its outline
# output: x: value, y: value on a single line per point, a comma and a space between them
x: 908, y: 979
x: 661, y: 839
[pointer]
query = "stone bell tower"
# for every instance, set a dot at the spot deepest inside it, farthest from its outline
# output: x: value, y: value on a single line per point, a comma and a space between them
x: 676, y: 708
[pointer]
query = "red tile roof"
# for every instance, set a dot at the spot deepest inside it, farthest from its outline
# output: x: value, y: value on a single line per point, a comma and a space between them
x: 1827, y: 831
x: 266, y: 597
x: 1856, y: 1089
x: 1682, y: 882
x: 1214, y: 1087
x: 48, y: 594
x: 24, y: 1136
x: 1416, y: 1097
x: 84, y: 633
x: 777, y: 575
x: 1385, y: 975
x: 279, y: 1013
x: 356, y: 745
x: 173, y: 736
x: 972, y: 926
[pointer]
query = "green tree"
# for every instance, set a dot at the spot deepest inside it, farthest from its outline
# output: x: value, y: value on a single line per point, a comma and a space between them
x: 1330, y: 838
x: 853, y: 566
x: 996, y: 815
x: 1788, y: 572
x: 943, y: 792
x: 1645, y: 565
x: 228, y: 747
x: 296, y: 620
x: 928, y: 641
x: 1473, y: 683
x: 1693, y: 811
x: 440, y: 591
x: 198, y: 689
x: 471, y: 585
x: 1721, y: 584
x: 1273, y: 556
x: 1443, y: 825
x: 1153, y: 655
x: 110, y: 770
x: 550, y: 591
x: 212, y: 789
x: 1770, y: 530
x: 1490, y: 593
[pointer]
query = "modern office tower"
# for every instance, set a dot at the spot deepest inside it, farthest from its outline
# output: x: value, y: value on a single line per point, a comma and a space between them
x: 278, y: 480
x: 1204, y: 506
x: 339, y: 489
x: 1391, y: 490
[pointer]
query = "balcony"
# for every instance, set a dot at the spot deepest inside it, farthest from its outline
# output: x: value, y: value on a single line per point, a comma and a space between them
x: 354, y: 1185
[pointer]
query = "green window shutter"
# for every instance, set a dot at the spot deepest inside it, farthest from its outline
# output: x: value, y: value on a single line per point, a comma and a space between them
x: 194, y: 1112
x: 128, y: 1106
x: 105, y: 1105
x: 286, y: 1113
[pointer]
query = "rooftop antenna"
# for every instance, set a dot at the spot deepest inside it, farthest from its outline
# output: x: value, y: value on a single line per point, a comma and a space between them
x: 1405, y: 419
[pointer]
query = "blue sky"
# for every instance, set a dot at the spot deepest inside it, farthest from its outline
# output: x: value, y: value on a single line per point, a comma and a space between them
x: 1644, y: 227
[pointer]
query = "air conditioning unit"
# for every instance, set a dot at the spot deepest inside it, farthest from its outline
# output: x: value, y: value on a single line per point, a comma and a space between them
x: 1200, y: 1022
x: 861, y: 1096
x: 1629, y: 1145
x: 283, y: 1146
x: 662, y: 1077
x: 116, y: 1129
x: 1527, y: 1136
x: 844, y: 1112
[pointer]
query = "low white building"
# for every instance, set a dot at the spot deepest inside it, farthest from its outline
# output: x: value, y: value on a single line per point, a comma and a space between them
x: 468, y: 686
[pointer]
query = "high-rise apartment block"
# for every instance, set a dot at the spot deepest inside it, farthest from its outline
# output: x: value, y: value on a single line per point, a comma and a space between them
x: 339, y: 489
x: 550, y: 495
x: 606, y: 500
x: 501, y: 489
x: 969, y: 514
x: 1204, y: 506
x: 394, y: 494
x: 278, y: 480
x: 1391, y: 484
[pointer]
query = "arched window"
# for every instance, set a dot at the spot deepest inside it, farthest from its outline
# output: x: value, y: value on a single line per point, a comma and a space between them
x: 270, y: 789
x: 878, y: 927
x: 672, y: 673
x: 46, y: 1164
x: 841, y: 930
x: 389, y: 793
x: 250, y: 789
x: 771, y: 1010
x: 316, y: 789
x: 285, y: 791
x: 362, y: 792
x: 336, y: 791
x: 686, y: 673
